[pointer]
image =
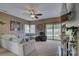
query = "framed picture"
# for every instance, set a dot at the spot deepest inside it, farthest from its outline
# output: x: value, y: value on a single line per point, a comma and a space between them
x: 40, y: 27
x: 12, y: 25
x: 16, y: 26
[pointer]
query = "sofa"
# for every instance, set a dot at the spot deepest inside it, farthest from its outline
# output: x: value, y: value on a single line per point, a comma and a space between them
x: 19, y: 46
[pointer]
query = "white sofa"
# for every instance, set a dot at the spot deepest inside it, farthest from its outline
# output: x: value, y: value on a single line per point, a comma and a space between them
x: 14, y: 45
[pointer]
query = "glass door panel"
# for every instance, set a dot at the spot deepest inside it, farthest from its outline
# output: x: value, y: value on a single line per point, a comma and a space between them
x: 49, y: 31
x: 57, y: 31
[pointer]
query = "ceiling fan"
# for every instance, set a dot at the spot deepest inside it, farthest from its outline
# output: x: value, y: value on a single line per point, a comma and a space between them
x: 35, y: 14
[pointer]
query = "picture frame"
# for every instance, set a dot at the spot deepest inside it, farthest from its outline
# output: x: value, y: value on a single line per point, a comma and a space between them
x: 40, y: 27
x: 16, y: 26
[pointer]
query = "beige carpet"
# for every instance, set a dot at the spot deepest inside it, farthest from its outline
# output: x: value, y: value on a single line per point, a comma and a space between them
x: 48, y: 48
x: 4, y: 52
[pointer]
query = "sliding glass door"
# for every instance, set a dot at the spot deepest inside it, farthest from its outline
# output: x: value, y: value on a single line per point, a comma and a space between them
x: 57, y: 31
x: 49, y: 31
x: 53, y: 31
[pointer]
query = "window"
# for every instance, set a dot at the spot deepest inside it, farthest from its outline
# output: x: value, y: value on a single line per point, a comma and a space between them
x: 57, y: 31
x: 27, y: 29
x: 32, y: 29
x: 49, y: 31
x: 53, y: 31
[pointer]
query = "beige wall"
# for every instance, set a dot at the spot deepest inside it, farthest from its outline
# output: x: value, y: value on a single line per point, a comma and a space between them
x: 53, y: 20
x: 43, y: 22
x: 6, y: 19
x: 48, y: 20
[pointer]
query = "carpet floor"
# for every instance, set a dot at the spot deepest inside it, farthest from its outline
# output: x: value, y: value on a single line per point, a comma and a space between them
x: 4, y: 52
x: 47, y: 48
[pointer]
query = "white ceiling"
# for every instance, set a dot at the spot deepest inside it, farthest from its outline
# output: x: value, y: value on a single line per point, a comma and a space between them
x: 21, y: 9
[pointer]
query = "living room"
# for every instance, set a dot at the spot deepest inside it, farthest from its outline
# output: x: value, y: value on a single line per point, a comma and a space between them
x: 32, y: 29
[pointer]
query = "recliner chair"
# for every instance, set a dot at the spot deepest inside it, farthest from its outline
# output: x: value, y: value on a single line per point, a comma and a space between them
x: 41, y: 37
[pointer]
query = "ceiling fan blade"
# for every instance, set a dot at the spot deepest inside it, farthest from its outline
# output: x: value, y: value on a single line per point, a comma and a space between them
x: 38, y: 14
x: 32, y: 12
x: 36, y: 17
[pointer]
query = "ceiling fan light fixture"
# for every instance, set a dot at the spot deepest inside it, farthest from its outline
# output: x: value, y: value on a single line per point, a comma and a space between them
x: 32, y: 16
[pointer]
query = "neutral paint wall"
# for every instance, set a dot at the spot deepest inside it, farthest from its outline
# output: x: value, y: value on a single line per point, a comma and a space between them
x: 6, y: 19
x: 47, y: 20
x: 40, y: 24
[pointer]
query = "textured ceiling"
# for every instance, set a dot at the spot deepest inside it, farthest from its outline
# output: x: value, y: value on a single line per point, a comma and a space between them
x: 21, y: 9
